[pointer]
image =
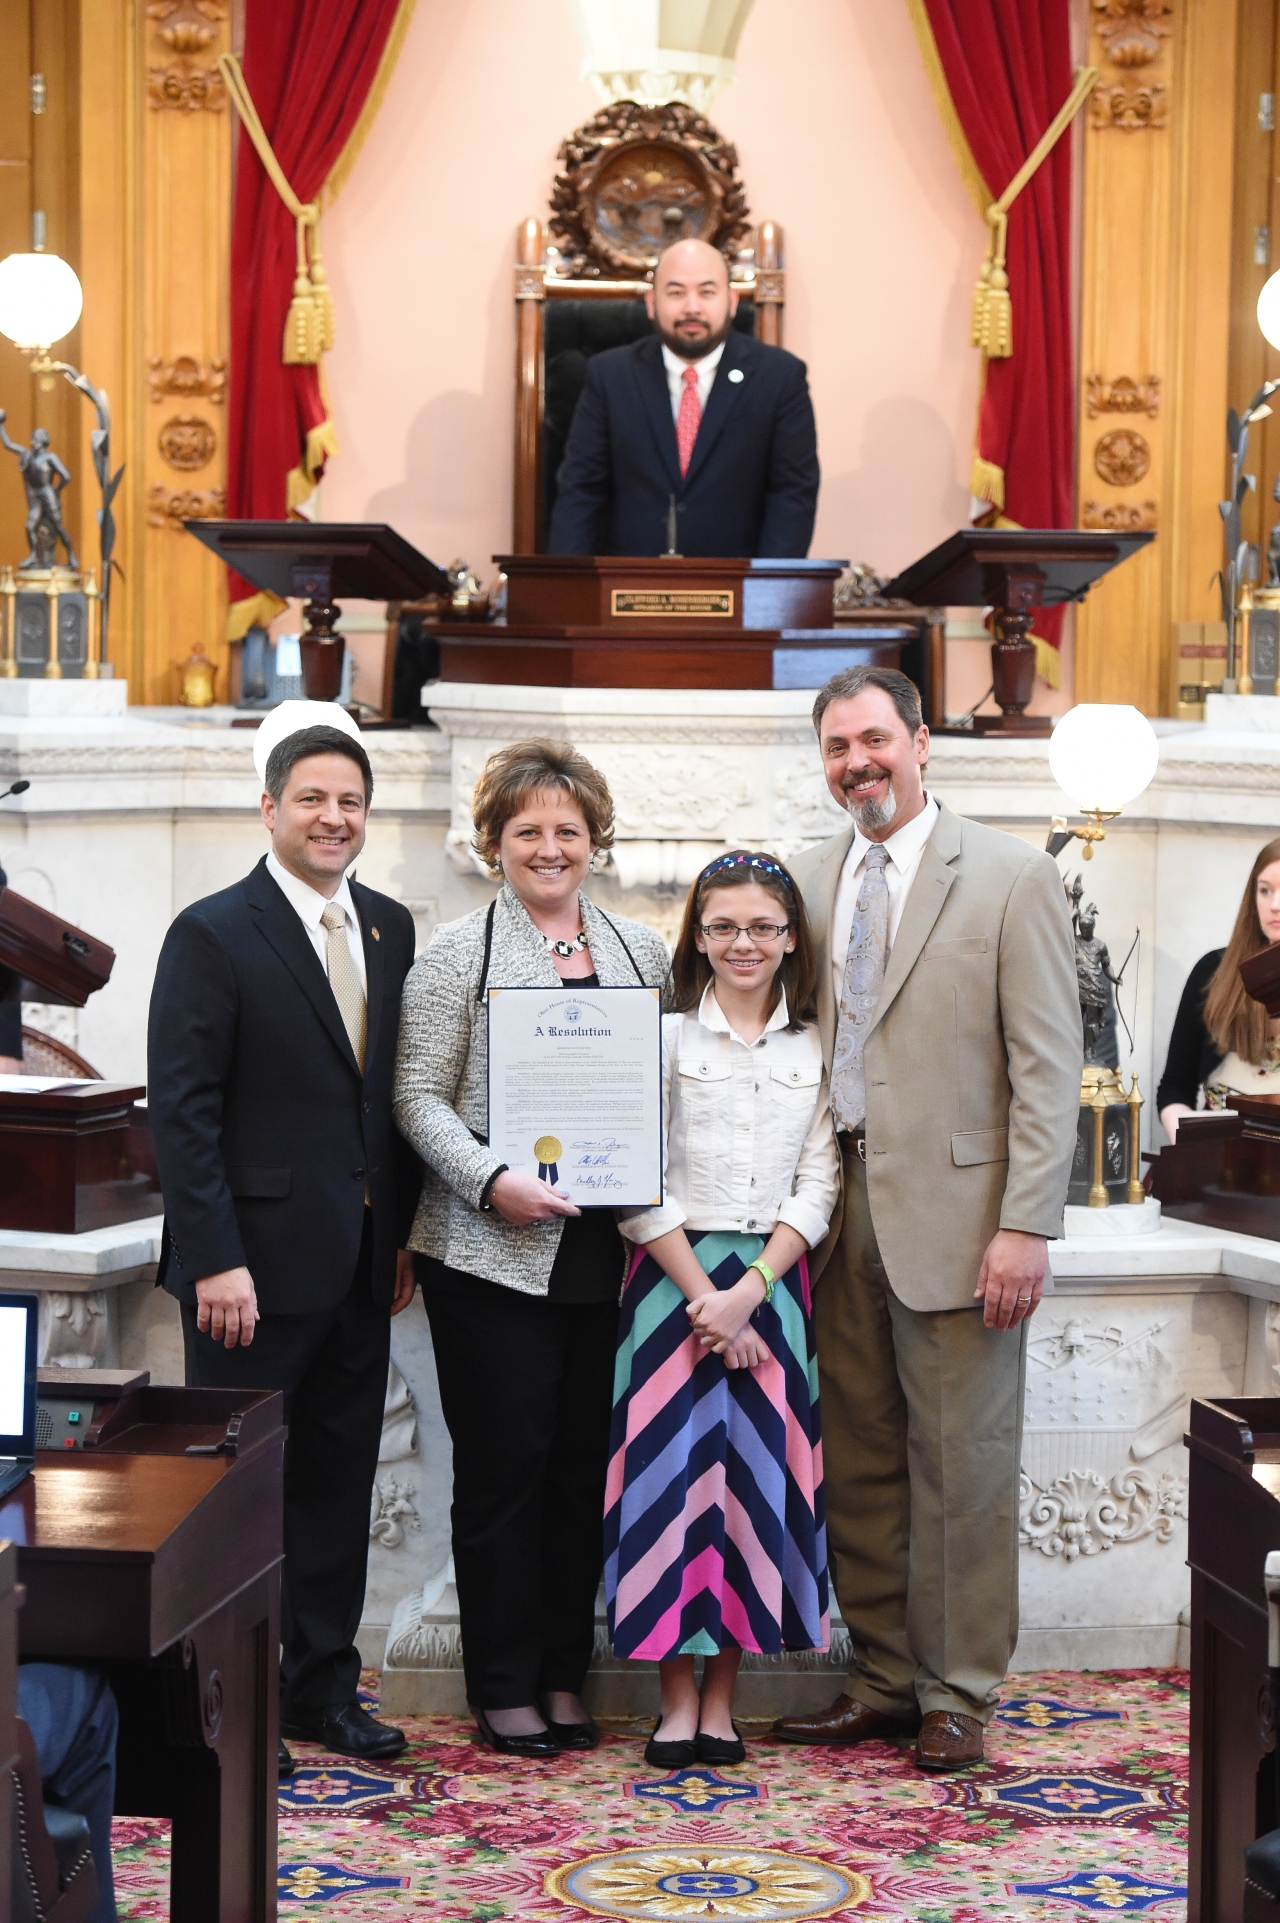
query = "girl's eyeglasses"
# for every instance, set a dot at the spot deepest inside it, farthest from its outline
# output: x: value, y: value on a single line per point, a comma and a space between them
x: 757, y: 930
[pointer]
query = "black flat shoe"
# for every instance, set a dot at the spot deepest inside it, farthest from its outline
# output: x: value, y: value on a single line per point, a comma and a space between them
x: 573, y: 1735
x: 344, y: 1728
x: 718, y: 1749
x: 681, y: 1755
x: 537, y: 1742
x: 284, y: 1762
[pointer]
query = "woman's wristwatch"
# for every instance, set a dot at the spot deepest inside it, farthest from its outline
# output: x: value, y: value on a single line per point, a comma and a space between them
x: 485, y: 1204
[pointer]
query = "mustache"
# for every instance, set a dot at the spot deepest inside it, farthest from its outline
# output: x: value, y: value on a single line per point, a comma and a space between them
x: 858, y: 775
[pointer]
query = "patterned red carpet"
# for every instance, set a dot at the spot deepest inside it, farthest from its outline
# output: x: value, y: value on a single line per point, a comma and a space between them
x: 1080, y: 1810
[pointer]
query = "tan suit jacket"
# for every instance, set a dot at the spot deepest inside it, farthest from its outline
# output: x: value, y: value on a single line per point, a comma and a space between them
x: 973, y: 1057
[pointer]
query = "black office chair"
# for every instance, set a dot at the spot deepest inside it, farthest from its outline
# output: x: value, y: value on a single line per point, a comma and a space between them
x: 53, y: 1878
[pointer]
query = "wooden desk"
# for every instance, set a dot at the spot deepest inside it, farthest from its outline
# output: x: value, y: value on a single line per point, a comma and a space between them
x: 1234, y: 1522
x: 10, y: 1599
x: 165, y: 1568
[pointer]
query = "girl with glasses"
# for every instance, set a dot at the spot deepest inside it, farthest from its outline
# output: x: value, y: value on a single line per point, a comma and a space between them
x: 714, y: 1532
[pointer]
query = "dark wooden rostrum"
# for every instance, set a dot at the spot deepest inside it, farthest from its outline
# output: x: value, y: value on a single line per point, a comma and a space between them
x: 657, y: 621
x: 155, y: 1552
x: 1224, y: 1169
x: 1234, y: 1523
x: 1013, y: 571
x: 75, y: 1158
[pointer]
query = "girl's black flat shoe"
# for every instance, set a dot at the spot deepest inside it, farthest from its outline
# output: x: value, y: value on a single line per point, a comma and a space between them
x: 538, y: 1742
x: 718, y: 1749
x: 670, y: 1755
x: 574, y: 1735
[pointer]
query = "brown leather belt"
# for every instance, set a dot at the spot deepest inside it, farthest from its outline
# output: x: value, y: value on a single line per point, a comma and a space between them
x: 855, y: 1139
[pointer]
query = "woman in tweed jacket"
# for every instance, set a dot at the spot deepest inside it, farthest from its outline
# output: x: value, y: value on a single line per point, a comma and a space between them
x: 521, y: 1288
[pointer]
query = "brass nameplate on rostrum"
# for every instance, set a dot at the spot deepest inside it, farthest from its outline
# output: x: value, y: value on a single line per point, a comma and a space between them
x: 656, y: 604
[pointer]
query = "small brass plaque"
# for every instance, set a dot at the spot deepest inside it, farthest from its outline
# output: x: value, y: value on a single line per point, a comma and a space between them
x: 661, y: 603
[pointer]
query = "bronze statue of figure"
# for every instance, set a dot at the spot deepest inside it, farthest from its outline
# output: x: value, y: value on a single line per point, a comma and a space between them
x: 44, y: 477
x: 1096, y: 981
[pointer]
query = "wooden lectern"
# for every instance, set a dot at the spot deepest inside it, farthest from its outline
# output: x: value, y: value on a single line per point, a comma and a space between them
x: 1234, y: 1523
x: 1013, y: 571
x: 323, y: 562
x: 660, y: 621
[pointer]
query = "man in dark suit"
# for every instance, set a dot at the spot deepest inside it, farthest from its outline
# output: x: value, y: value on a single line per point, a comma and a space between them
x: 695, y: 413
x: 288, y: 1193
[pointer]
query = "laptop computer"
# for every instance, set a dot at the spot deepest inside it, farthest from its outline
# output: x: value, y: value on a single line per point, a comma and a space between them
x: 19, y: 1332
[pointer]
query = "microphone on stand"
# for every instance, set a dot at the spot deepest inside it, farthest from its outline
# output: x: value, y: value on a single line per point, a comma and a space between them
x: 15, y: 788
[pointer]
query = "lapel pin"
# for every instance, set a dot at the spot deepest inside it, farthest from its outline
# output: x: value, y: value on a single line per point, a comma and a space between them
x: 736, y: 374
x: 375, y: 934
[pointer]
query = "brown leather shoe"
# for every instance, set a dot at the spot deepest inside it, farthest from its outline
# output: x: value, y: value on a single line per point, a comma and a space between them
x: 847, y: 1721
x: 948, y: 1740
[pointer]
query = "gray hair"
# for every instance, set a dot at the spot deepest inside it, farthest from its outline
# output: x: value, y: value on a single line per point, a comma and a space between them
x: 900, y: 688
x: 300, y: 746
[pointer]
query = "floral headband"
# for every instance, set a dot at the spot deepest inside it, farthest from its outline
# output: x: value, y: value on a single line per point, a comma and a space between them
x: 762, y: 862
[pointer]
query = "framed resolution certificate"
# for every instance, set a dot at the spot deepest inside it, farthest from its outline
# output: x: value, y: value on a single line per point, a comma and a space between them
x: 575, y: 1090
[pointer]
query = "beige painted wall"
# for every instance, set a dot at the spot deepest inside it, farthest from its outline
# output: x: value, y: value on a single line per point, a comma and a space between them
x: 838, y: 139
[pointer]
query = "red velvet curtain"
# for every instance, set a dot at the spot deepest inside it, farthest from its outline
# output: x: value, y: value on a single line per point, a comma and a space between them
x: 1007, y: 68
x: 309, y: 66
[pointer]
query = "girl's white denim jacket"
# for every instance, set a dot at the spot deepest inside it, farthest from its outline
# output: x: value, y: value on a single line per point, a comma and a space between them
x: 749, y: 1136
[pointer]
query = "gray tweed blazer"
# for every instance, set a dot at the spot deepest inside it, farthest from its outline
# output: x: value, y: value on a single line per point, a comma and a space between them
x: 442, y: 1076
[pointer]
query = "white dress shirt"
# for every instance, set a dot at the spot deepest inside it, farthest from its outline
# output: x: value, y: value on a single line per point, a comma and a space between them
x: 904, y: 850
x: 309, y: 906
x: 749, y: 1136
x: 675, y: 376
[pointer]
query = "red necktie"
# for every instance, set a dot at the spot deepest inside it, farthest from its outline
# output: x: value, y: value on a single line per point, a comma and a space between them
x: 688, y: 420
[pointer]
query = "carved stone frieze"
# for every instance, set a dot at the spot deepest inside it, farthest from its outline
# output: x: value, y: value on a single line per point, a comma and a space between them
x: 399, y: 1420
x: 392, y: 1512
x: 187, y: 442
x: 75, y: 1330
x: 171, y: 509
x: 1120, y: 517
x: 1124, y: 395
x: 188, y: 377
x: 1081, y: 1514
x: 1122, y: 457
x: 1130, y: 109
x: 1133, y: 31
x: 633, y: 178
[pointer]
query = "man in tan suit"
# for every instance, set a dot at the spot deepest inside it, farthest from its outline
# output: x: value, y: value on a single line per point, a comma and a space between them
x: 951, y: 1026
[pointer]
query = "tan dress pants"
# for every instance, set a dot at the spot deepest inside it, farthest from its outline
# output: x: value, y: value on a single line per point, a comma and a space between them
x: 921, y: 1440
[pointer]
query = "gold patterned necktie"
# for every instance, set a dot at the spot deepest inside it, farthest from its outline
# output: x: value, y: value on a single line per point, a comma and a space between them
x: 860, y: 992
x: 344, y: 978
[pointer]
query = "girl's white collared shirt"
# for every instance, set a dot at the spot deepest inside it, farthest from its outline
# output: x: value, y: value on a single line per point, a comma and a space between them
x: 749, y: 1136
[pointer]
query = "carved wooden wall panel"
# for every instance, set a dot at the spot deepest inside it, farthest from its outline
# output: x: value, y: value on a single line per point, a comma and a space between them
x: 1154, y: 329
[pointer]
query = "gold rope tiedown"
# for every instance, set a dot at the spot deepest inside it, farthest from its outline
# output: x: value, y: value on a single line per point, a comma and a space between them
x: 308, y: 327
x: 992, y: 329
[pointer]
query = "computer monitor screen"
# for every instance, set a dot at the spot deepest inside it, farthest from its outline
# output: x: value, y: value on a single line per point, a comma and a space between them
x: 19, y: 1330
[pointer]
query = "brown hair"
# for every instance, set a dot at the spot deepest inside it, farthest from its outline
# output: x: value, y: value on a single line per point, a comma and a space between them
x: 900, y: 688
x: 798, y: 974
x: 305, y: 742
x: 510, y: 779
x: 1236, y: 1022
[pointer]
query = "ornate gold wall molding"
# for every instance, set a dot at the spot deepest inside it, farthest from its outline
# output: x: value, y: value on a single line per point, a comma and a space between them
x: 169, y: 508
x: 188, y: 30
x: 1124, y: 395
x: 187, y: 442
x: 189, y: 377
x: 1155, y: 294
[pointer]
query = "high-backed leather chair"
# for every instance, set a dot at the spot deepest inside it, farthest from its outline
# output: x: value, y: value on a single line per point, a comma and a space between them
x: 53, y: 1878
x: 632, y: 180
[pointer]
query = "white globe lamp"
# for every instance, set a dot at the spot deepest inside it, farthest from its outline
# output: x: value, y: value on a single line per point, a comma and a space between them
x: 1269, y: 310
x: 1103, y: 755
x: 40, y: 300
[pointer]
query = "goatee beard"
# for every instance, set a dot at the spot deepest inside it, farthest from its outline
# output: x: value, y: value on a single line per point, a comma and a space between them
x: 694, y: 350
x: 873, y: 815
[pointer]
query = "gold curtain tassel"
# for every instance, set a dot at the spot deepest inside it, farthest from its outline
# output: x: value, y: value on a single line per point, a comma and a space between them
x: 978, y: 330
x: 321, y: 297
x: 300, y: 327
x: 999, y: 343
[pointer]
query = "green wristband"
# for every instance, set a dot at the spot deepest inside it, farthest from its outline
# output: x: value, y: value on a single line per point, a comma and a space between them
x: 766, y: 1275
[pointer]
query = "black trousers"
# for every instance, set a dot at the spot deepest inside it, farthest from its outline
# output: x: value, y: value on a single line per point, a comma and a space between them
x: 526, y: 1386
x: 332, y: 1368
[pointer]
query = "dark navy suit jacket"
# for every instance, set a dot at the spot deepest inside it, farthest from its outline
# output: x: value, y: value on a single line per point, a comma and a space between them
x: 752, y: 485
x: 267, y: 1135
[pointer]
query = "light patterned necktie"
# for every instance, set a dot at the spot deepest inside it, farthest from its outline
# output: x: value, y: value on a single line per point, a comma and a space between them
x: 688, y: 420
x: 860, y: 991
x: 344, y: 978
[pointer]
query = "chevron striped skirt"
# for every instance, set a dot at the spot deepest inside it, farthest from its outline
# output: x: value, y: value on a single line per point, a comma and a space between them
x: 714, y: 1529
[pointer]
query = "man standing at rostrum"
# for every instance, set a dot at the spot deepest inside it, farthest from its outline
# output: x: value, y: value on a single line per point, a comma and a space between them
x: 288, y: 1194
x: 952, y: 1034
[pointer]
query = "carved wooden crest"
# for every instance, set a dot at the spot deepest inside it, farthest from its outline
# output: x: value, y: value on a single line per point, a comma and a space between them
x: 635, y: 178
